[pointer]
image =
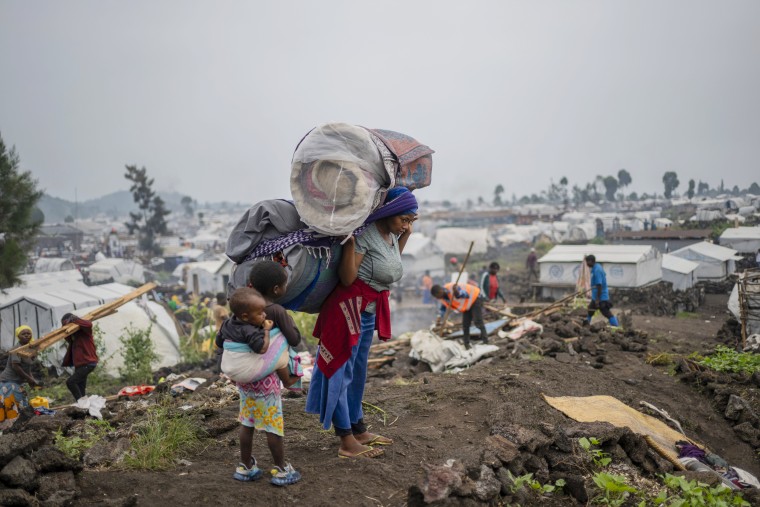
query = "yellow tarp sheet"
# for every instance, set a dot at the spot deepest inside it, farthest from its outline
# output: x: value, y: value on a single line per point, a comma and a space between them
x: 611, y: 410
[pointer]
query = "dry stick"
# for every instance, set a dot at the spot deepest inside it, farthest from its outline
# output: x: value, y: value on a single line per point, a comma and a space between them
x: 741, y: 289
x: 32, y: 348
x: 442, y: 327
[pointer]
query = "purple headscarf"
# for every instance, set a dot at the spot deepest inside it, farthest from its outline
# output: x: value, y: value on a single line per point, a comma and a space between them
x: 399, y: 201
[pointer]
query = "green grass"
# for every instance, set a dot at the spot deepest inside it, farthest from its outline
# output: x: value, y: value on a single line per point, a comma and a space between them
x: 74, y: 445
x: 162, y: 438
x: 728, y: 360
x: 687, y: 315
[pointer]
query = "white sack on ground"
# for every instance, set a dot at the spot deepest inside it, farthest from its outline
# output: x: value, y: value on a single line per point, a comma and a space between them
x: 445, y: 354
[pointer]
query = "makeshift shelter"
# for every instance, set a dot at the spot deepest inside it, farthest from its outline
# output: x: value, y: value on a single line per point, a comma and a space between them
x: 744, y: 302
x: 207, y: 277
x: 42, y: 309
x: 626, y: 266
x: 680, y: 272
x: 49, y: 264
x: 457, y: 239
x: 581, y: 232
x: 116, y: 269
x: 715, y: 262
x: 742, y: 239
x: 421, y: 254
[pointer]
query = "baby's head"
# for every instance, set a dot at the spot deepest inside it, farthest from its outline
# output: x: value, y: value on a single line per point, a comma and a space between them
x: 248, y: 305
x: 269, y: 278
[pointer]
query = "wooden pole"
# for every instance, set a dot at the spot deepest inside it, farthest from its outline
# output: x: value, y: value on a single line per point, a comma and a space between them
x: 441, y: 329
x: 31, y: 349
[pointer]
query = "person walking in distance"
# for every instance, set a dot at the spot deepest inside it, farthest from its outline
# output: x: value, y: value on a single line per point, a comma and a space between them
x: 600, y: 295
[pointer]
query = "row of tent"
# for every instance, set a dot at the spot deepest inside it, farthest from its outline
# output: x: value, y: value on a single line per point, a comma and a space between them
x: 631, y: 266
x: 43, y: 298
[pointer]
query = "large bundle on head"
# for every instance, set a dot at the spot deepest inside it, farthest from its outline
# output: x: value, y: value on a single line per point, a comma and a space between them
x: 340, y: 176
x: 337, y: 178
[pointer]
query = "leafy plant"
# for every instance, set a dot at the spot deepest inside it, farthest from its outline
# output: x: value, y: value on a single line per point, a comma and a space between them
x: 194, y: 347
x: 600, y: 458
x: 74, y: 445
x: 522, y: 481
x: 726, y: 359
x: 615, y: 491
x: 162, y: 438
x: 685, y: 493
x: 139, y: 355
x: 305, y: 324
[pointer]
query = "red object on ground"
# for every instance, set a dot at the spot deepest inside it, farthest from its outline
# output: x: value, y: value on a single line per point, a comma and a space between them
x: 135, y: 390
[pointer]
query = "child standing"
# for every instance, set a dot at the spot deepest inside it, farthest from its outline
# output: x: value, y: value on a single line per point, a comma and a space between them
x: 260, y: 400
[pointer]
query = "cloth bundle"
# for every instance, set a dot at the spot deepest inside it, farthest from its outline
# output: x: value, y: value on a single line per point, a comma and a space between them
x: 243, y: 365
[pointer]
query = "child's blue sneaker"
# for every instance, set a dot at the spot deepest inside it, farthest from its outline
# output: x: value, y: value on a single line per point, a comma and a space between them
x: 285, y: 477
x: 245, y: 474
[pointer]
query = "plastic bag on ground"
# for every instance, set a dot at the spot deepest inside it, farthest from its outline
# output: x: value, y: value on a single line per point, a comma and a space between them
x: 93, y: 404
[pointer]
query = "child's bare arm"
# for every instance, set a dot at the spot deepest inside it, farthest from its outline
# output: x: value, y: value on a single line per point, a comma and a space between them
x: 266, y: 342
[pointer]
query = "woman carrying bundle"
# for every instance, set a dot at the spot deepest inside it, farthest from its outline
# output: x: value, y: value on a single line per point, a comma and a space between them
x: 17, y: 371
x: 347, y: 321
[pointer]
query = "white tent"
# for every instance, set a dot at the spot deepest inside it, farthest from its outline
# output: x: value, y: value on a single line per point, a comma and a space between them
x: 625, y: 265
x: 49, y: 264
x: 208, y: 276
x: 741, y: 239
x: 37, y: 282
x: 118, y: 270
x: 457, y: 239
x: 42, y: 311
x: 581, y: 232
x: 715, y: 262
x: 420, y: 255
x: 680, y: 272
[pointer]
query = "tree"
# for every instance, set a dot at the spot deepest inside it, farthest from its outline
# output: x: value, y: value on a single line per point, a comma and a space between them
x: 624, y: 178
x: 690, y: 191
x: 497, y: 194
x: 150, y: 220
x: 187, y: 203
x: 670, y: 180
x: 735, y: 190
x: 610, y: 187
x: 18, y: 229
x: 69, y: 219
x: 754, y: 189
x: 633, y: 196
x: 702, y: 188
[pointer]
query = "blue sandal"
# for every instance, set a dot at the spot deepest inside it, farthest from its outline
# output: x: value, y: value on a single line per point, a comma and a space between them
x: 245, y: 474
x: 285, y: 477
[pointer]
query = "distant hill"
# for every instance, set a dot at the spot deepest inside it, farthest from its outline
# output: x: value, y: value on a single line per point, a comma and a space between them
x: 115, y: 205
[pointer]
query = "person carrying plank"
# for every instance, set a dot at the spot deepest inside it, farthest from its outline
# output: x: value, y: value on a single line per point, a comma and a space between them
x: 466, y: 300
x: 80, y: 354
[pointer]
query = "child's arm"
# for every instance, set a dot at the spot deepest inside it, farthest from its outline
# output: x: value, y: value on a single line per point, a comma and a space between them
x: 266, y: 342
x: 285, y: 323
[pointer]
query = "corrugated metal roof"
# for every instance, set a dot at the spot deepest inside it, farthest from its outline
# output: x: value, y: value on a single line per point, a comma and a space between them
x: 711, y: 250
x: 619, y: 254
x: 741, y: 233
x: 677, y: 264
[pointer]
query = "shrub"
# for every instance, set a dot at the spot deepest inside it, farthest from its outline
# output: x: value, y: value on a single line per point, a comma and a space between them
x: 139, y: 354
x: 726, y: 359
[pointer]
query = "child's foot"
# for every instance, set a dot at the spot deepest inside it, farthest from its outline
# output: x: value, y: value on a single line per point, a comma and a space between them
x: 245, y: 474
x: 285, y: 477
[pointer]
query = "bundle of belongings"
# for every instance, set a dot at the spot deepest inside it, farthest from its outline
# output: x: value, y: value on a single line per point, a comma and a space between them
x: 340, y: 176
x: 698, y: 460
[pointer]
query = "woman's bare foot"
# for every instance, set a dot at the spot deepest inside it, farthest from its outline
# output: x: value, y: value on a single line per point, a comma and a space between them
x: 368, y: 438
x: 352, y: 448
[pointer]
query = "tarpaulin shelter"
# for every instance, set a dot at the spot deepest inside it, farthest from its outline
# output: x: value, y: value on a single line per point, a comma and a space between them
x: 680, y: 272
x: 742, y: 239
x: 715, y: 262
x: 626, y: 266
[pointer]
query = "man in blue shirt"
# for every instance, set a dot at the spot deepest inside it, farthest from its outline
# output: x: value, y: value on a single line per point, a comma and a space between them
x: 600, y: 295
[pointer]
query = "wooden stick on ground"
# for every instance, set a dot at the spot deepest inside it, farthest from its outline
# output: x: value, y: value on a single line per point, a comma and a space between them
x: 32, y: 348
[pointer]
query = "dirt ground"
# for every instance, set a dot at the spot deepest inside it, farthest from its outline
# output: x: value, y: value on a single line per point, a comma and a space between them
x: 436, y: 417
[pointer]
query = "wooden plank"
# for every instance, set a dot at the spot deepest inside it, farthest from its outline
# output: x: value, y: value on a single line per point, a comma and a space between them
x: 33, y: 348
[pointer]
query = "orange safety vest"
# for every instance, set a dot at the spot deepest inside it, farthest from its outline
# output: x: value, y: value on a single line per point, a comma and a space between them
x: 461, y: 305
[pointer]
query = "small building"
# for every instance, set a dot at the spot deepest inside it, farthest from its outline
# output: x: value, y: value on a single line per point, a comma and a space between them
x: 116, y: 270
x: 715, y: 262
x: 627, y: 266
x: 680, y: 272
x: 742, y: 239
x: 59, y: 237
x: 207, y: 277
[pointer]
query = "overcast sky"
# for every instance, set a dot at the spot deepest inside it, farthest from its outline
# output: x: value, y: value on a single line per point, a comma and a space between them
x: 212, y: 97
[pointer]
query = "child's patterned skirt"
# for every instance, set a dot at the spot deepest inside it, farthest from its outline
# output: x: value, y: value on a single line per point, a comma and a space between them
x: 261, y: 405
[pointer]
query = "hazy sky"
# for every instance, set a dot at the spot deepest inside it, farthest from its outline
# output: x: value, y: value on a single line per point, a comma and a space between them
x: 212, y: 97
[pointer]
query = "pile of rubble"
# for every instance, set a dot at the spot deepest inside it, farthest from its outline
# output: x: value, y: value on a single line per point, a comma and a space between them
x: 660, y: 299
x: 549, y: 452
x: 722, y: 287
